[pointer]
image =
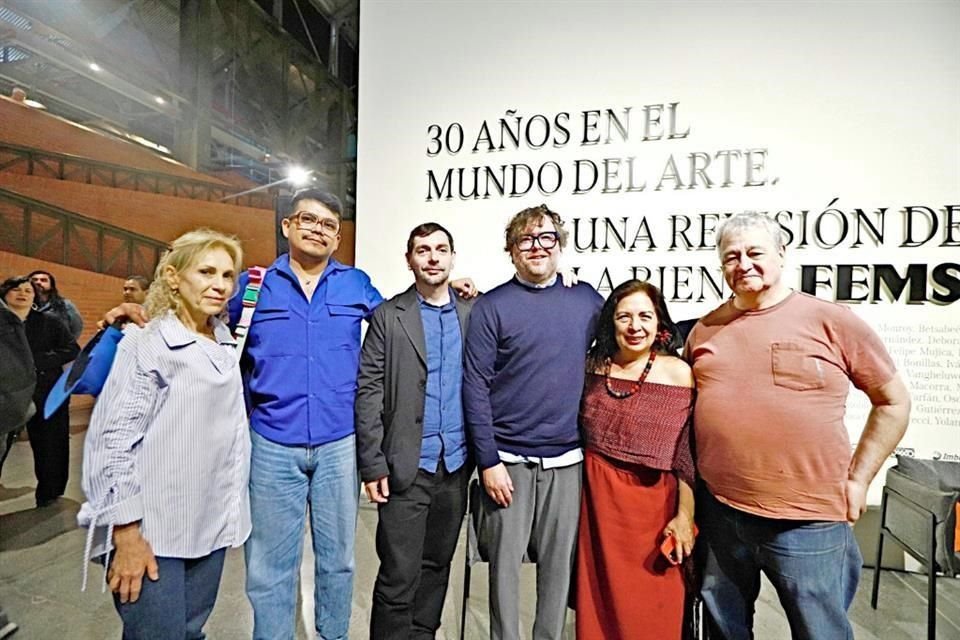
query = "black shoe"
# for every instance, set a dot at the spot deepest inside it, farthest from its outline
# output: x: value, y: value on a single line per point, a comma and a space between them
x: 41, y: 503
x: 7, y: 628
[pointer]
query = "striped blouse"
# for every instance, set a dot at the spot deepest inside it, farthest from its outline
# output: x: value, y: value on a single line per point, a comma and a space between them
x: 168, y: 444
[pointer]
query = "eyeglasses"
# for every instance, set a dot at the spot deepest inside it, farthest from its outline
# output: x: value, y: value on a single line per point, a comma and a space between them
x: 312, y: 222
x: 547, y: 240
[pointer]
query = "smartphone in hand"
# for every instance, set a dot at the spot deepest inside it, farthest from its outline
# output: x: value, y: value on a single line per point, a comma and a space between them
x: 669, y: 545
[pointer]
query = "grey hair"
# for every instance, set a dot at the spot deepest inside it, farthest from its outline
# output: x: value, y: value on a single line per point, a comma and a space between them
x: 751, y: 220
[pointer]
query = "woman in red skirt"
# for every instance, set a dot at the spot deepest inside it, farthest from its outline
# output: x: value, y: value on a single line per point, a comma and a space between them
x: 639, y: 473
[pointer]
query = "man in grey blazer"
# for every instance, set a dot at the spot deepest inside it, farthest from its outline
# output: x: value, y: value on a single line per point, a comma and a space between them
x: 411, y: 444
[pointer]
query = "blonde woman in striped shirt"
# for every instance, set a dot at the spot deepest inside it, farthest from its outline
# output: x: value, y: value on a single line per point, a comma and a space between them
x: 167, y: 455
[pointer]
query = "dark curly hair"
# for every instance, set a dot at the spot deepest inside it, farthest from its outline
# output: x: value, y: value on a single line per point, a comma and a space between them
x: 604, y: 336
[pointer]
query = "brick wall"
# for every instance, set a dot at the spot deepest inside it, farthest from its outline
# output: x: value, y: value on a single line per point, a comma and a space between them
x: 239, y: 182
x: 155, y: 216
x: 166, y: 217
x: 348, y: 243
x: 40, y: 130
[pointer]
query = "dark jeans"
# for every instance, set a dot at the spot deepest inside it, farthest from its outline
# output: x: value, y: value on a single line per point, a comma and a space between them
x: 176, y: 606
x: 813, y: 565
x: 416, y: 536
x: 50, y: 441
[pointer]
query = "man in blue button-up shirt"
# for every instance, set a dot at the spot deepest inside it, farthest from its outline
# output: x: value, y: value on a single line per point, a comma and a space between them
x: 411, y: 443
x: 300, y: 366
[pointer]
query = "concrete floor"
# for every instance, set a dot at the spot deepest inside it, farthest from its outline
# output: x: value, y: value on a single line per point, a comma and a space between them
x: 40, y: 570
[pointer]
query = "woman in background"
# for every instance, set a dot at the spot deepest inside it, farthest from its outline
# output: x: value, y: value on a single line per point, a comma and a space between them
x: 638, y: 472
x: 52, y: 347
x: 167, y: 455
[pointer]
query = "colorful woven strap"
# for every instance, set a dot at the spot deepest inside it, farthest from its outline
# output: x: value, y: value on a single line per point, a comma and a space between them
x: 250, y: 296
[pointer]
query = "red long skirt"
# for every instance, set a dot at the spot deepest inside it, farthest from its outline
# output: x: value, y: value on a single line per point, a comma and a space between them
x: 625, y: 588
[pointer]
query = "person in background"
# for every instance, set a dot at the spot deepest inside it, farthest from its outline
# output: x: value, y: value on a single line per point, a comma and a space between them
x: 18, y: 377
x: 167, y: 455
x: 17, y: 381
x: 638, y: 472
x: 135, y: 289
x: 523, y: 377
x: 52, y: 347
x: 773, y: 369
x: 411, y: 443
x: 49, y: 300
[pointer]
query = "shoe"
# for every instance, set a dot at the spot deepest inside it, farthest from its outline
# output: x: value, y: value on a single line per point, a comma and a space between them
x: 7, y: 629
x: 41, y: 503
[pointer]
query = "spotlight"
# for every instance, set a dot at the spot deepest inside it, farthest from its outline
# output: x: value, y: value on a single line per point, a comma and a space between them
x: 95, y: 67
x: 159, y: 100
x: 298, y: 176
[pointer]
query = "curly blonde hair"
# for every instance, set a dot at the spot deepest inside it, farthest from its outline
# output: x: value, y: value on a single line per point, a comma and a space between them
x: 182, y: 254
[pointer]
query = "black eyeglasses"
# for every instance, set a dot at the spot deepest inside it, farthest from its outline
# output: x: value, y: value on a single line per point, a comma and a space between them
x: 547, y: 240
x: 312, y: 222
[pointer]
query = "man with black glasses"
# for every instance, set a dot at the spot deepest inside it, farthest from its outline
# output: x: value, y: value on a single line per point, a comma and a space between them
x: 523, y: 375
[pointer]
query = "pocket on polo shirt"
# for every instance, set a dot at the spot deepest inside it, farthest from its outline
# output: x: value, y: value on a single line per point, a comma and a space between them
x: 795, y: 367
x: 270, y: 333
x: 346, y: 310
x: 343, y: 331
x: 342, y: 367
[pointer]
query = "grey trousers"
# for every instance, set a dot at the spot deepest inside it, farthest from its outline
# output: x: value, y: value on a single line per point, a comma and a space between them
x: 541, y: 522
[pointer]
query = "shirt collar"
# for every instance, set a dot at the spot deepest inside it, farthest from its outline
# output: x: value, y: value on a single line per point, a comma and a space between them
x: 282, y: 264
x: 175, y: 334
x: 424, y: 303
x: 549, y: 283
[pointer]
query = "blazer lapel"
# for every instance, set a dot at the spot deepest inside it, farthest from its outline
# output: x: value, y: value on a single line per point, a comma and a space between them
x: 408, y: 314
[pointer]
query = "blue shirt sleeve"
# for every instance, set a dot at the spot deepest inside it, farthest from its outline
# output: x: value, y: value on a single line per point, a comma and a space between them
x: 372, y: 298
x: 480, y: 352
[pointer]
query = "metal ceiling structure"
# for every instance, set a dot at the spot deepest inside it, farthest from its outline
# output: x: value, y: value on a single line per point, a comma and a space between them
x: 249, y: 85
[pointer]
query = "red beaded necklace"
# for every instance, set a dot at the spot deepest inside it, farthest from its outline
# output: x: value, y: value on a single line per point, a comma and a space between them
x: 620, y: 395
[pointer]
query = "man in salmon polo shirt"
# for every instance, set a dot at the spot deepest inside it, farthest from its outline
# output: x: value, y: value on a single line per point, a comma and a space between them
x: 773, y: 369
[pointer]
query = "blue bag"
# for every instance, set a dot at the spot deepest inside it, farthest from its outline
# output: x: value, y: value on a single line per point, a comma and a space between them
x: 88, y: 373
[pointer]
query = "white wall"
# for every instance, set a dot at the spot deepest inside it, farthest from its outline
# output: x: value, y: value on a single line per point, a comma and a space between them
x: 853, y: 101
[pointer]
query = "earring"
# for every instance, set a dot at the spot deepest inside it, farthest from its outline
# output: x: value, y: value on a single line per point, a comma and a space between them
x: 663, y: 336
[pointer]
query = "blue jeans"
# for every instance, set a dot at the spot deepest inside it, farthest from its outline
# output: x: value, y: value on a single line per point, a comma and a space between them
x: 176, y: 606
x: 284, y: 482
x: 813, y: 565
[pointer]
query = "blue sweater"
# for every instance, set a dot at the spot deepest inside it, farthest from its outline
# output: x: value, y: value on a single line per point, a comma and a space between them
x: 524, y: 369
